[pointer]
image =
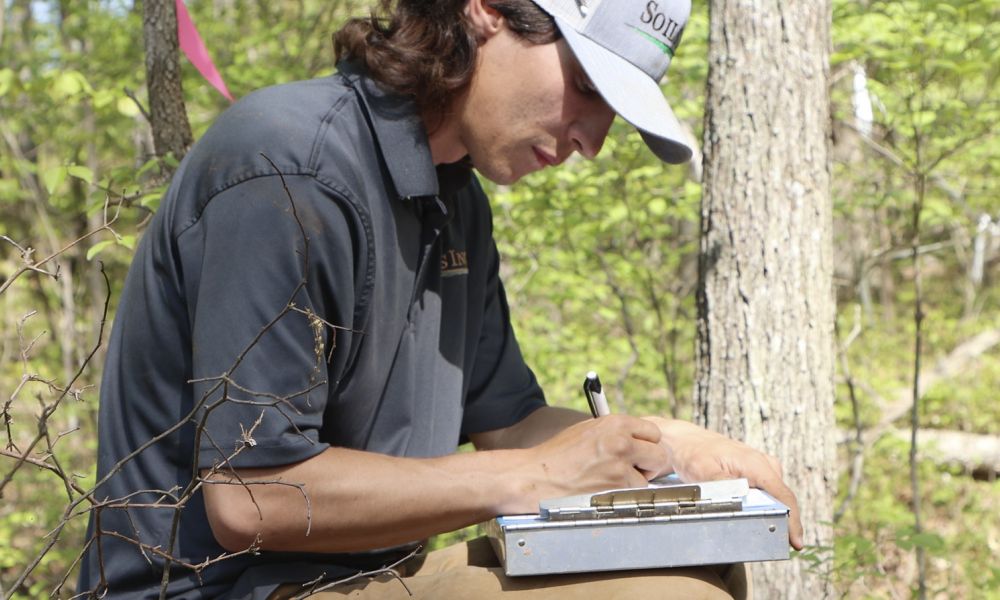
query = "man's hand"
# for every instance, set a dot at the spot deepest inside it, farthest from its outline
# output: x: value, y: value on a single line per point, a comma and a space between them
x: 568, y: 452
x: 697, y: 454
x: 593, y: 454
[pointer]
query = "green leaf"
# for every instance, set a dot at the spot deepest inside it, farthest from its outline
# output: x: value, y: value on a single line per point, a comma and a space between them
x: 147, y: 166
x: 7, y: 79
x: 171, y: 160
x: 67, y: 84
x: 96, y: 248
x: 947, y: 9
x: 618, y: 212
x: 53, y: 177
x: 152, y: 199
x: 81, y: 172
x: 128, y: 241
x: 657, y: 207
x: 929, y: 541
x: 924, y: 118
x: 103, y: 98
x: 127, y: 107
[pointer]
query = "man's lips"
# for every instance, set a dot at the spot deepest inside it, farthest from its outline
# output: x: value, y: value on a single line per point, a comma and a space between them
x: 544, y: 158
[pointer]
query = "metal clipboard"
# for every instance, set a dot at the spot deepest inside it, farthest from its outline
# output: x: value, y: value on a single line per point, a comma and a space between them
x: 668, y: 524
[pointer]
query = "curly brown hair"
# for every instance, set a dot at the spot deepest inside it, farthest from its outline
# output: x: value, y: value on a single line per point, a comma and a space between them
x: 426, y: 49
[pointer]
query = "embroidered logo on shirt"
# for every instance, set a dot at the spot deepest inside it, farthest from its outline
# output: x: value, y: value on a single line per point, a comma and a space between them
x: 454, y: 262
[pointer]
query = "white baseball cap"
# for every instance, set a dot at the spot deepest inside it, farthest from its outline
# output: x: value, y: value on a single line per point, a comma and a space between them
x: 625, y: 47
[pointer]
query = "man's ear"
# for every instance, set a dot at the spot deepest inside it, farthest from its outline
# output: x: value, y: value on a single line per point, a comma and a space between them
x: 484, y: 19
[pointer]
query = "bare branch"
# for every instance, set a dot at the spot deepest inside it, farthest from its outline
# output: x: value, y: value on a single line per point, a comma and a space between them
x: 30, y: 265
x: 142, y: 109
x: 41, y: 464
x: 253, y: 548
x: 315, y: 588
x: 52, y: 407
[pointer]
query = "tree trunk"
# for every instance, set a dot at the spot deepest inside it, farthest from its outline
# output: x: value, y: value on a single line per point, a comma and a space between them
x: 171, y: 130
x: 765, y: 348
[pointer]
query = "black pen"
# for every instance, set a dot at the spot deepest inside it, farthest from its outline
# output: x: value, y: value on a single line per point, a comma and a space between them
x: 594, y: 392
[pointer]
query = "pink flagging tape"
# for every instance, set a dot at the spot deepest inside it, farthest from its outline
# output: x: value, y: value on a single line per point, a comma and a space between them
x: 196, y: 52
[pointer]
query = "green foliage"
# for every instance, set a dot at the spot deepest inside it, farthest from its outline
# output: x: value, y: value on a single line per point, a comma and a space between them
x: 876, y: 535
x: 933, y: 73
x: 604, y: 275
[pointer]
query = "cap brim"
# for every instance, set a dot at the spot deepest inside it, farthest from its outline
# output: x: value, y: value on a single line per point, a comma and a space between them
x: 632, y: 94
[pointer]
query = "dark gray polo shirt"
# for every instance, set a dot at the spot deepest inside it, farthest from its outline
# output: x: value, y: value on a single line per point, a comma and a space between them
x: 411, y: 350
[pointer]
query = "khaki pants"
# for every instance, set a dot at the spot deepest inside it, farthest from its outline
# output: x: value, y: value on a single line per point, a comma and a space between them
x: 470, y: 571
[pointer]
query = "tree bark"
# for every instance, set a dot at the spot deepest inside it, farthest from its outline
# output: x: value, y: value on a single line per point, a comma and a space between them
x: 168, y: 117
x: 765, y: 352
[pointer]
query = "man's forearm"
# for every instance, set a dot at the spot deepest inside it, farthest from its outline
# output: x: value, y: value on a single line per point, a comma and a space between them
x: 363, y: 501
x: 358, y: 500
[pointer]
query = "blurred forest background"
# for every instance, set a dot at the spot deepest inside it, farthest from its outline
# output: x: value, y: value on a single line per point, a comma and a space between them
x: 600, y: 262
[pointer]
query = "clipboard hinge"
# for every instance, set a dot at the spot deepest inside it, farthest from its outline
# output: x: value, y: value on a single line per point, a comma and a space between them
x: 626, y: 509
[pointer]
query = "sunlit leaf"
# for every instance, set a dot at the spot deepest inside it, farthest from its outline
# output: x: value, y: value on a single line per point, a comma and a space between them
x: 127, y: 107
x: 53, y: 177
x: 81, y: 172
x: 98, y: 247
x: 128, y: 241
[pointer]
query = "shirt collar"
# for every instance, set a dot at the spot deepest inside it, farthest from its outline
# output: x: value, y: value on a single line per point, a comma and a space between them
x: 400, y: 132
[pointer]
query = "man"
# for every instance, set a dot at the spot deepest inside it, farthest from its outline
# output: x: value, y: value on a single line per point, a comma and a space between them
x: 314, y: 320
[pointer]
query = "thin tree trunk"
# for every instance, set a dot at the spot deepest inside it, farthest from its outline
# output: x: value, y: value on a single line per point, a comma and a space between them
x: 765, y: 348
x: 171, y: 130
x: 93, y: 221
x: 19, y: 18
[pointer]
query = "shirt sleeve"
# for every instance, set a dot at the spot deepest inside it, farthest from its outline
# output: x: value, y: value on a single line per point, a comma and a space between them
x: 264, y: 282
x: 503, y: 390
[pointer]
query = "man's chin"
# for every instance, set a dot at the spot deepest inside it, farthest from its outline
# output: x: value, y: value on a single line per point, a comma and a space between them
x: 498, y: 174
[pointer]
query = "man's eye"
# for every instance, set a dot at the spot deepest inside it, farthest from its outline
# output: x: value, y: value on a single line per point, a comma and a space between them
x: 585, y: 85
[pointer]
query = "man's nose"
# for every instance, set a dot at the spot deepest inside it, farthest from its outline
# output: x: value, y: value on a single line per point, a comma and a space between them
x: 587, y: 133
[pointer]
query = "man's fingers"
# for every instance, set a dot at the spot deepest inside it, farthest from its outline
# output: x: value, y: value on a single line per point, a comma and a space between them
x: 786, y: 497
x: 769, y: 480
x: 635, y: 441
x: 634, y: 454
x: 640, y: 429
x: 795, y: 531
x: 649, y: 457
